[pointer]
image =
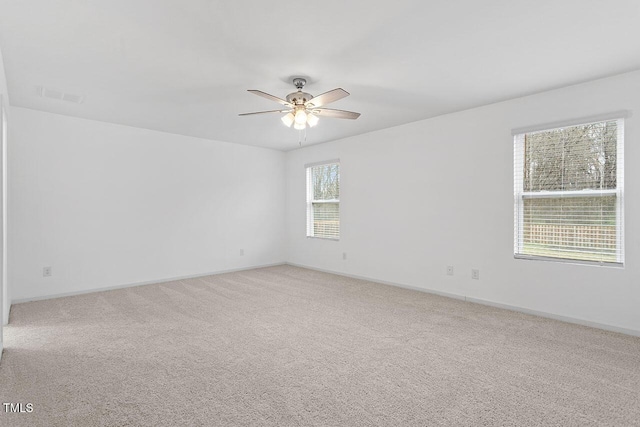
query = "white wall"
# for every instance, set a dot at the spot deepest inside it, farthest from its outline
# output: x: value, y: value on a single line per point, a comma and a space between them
x: 439, y: 192
x: 107, y: 205
x: 4, y: 106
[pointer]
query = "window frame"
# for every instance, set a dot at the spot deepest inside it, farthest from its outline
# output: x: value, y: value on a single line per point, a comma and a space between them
x: 520, y: 195
x: 310, y: 201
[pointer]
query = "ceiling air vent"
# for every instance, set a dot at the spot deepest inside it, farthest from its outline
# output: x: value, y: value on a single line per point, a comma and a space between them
x: 59, y: 95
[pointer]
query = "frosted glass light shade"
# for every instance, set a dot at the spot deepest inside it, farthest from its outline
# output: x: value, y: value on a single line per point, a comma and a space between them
x: 288, y: 120
x: 312, y: 120
x: 299, y: 126
x: 301, y: 117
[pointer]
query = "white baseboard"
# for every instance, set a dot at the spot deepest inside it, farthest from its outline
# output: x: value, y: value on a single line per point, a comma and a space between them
x: 559, y: 317
x: 148, y: 282
x: 544, y: 314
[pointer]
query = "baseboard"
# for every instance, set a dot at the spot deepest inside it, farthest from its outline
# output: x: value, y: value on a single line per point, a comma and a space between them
x: 148, y: 282
x: 383, y: 282
x: 553, y: 316
x: 567, y: 319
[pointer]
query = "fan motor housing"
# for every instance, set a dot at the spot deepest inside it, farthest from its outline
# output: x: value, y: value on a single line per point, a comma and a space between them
x: 299, y: 97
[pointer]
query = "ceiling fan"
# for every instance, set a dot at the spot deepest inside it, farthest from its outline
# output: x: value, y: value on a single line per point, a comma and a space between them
x: 303, y: 109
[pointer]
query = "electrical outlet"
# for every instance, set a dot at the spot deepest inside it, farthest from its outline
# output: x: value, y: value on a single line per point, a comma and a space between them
x: 475, y: 274
x: 46, y: 271
x: 449, y: 270
x: 344, y: 256
x: 241, y: 252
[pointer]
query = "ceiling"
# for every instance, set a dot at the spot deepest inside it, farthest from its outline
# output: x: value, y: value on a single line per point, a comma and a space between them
x: 184, y: 66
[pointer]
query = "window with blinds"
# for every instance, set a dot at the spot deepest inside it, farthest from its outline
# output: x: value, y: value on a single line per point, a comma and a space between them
x: 323, y: 200
x: 568, y: 202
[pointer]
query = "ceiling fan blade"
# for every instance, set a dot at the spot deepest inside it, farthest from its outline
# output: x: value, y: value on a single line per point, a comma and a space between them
x: 265, y: 112
x: 336, y: 114
x: 327, y: 97
x: 271, y: 97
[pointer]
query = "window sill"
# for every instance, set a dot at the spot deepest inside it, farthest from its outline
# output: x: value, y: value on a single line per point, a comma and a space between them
x: 569, y: 261
x: 335, y: 239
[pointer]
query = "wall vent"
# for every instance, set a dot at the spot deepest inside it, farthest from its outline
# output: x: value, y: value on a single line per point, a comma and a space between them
x: 45, y: 92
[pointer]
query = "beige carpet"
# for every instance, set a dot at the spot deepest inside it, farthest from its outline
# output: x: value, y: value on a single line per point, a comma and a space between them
x: 285, y: 346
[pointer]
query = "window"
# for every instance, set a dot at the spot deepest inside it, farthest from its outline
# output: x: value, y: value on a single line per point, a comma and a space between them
x: 323, y: 200
x: 569, y: 193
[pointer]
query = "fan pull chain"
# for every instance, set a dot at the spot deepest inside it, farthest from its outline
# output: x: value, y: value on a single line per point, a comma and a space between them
x: 300, y: 136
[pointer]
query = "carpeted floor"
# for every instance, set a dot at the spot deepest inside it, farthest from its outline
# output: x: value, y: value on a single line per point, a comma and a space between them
x: 285, y: 346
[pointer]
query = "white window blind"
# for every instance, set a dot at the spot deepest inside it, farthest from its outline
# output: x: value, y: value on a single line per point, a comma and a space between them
x: 323, y: 200
x: 568, y: 193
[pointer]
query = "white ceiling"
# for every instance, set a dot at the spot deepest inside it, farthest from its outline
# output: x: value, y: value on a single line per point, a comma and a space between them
x: 184, y: 66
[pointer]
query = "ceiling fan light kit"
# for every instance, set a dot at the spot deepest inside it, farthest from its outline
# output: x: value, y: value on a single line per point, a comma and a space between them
x: 301, y: 116
x: 312, y: 120
x: 303, y: 109
x: 288, y: 119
